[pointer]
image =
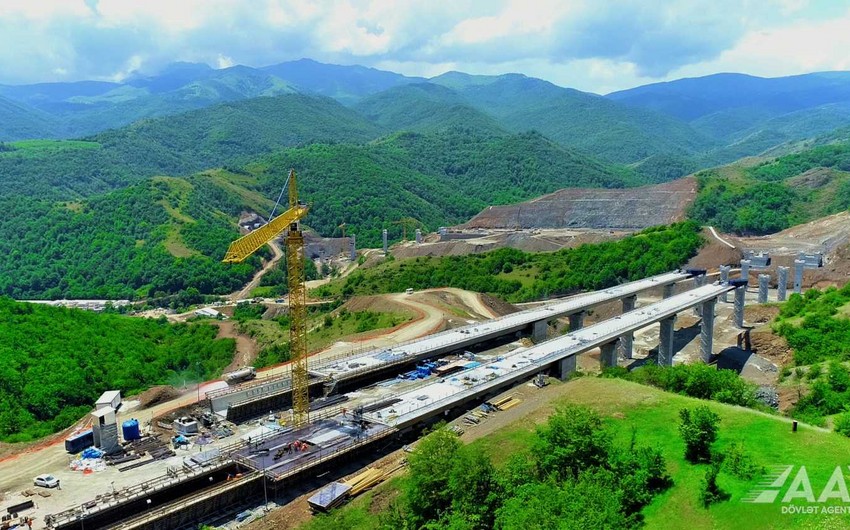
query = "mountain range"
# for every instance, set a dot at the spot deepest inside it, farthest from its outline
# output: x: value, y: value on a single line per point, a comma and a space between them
x: 662, y: 130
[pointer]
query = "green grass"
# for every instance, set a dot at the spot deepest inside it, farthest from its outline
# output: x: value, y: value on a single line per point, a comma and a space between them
x: 39, y: 148
x: 654, y: 416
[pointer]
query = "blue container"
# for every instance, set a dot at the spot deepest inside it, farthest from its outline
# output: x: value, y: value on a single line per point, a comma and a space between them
x: 77, y: 443
x: 130, y: 429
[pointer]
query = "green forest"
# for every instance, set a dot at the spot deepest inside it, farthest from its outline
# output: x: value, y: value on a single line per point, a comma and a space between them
x: 777, y: 194
x: 158, y: 237
x: 55, y: 362
x: 520, y: 276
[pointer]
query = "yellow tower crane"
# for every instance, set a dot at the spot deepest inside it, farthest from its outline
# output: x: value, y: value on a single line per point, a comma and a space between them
x: 246, y: 245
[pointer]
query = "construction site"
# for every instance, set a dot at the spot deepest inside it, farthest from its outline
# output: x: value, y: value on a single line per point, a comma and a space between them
x: 240, y: 447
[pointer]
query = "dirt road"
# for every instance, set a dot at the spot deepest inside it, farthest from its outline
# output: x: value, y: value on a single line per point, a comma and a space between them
x: 246, y: 348
x: 277, y: 254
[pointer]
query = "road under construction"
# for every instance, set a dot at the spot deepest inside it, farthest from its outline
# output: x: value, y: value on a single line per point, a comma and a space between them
x: 277, y: 460
x: 348, y: 372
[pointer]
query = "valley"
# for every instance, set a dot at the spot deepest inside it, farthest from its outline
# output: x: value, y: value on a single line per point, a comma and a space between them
x: 615, y: 229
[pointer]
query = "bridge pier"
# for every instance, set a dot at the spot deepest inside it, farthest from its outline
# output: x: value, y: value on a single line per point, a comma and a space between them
x: 745, y: 269
x: 699, y: 281
x: 764, y: 284
x: 668, y: 290
x: 608, y: 355
x: 707, y: 330
x: 539, y: 331
x: 740, y: 293
x: 724, y: 277
x: 798, y: 275
x: 781, y: 283
x: 627, y: 340
x: 577, y: 321
x: 566, y: 367
x: 665, y: 342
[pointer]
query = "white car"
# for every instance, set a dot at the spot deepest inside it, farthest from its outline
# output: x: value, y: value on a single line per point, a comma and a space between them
x: 46, y: 481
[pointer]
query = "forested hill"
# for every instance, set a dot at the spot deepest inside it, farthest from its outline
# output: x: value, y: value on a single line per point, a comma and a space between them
x: 55, y: 362
x: 175, y: 145
x: 167, y: 234
x: 161, y: 236
x: 437, y: 178
x: 424, y: 107
x: 775, y: 194
x: 19, y: 122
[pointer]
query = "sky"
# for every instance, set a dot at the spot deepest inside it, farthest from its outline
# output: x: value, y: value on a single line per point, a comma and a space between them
x: 593, y: 45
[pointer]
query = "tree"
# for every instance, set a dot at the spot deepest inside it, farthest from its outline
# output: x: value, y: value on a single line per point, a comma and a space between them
x: 427, y: 493
x: 573, y: 440
x: 473, y: 487
x: 698, y: 429
x: 710, y: 492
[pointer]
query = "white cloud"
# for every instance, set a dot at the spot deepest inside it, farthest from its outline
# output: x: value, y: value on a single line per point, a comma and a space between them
x: 588, y: 44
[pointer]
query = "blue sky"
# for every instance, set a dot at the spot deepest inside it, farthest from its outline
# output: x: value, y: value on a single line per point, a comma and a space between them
x: 592, y: 45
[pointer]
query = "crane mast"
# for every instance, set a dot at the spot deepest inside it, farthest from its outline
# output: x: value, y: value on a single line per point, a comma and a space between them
x: 243, y: 247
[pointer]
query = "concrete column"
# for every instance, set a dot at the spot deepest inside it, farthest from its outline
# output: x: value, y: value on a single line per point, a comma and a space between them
x: 781, y: 283
x: 699, y: 281
x: 608, y: 356
x: 566, y: 367
x: 352, y: 247
x: 745, y: 269
x: 764, y: 284
x: 577, y: 321
x: 740, y: 293
x: 724, y: 277
x: 386, y: 247
x: 668, y: 290
x: 798, y: 275
x: 627, y: 340
x: 539, y: 331
x: 418, y: 235
x: 707, y: 330
x: 665, y: 342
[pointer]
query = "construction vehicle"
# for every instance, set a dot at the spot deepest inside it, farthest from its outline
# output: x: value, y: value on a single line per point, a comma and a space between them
x: 246, y: 245
x: 239, y: 376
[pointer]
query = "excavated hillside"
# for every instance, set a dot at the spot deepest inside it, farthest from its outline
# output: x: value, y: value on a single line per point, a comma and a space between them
x: 625, y: 209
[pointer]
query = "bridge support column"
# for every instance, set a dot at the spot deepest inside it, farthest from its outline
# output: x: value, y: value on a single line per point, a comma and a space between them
x: 740, y: 293
x: 781, y: 283
x: 724, y: 277
x: 566, y: 367
x: 627, y: 340
x: 577, y: 321
x: 539, y: 331
x: 699, y: 281
x: 668, y: 290
x: 798, y: 275
x: 745, y: 269
x: 665, y: 342
x: 608, y: 355
x: 707, y: 330
x: 764, y: 284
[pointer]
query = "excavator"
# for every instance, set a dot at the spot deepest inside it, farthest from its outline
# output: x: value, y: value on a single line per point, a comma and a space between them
x: 246, y: 245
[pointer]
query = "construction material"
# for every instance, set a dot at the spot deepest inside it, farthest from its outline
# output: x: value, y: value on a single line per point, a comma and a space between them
x: 364, y: 481
x: 331, y: 496
x: 80, y: 441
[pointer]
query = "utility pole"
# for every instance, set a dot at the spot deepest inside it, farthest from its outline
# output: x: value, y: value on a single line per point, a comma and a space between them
x: 198, y: 366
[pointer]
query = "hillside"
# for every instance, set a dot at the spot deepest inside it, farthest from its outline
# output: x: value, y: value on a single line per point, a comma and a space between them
x: 161, y: 236
x: 746, y: 113
x: 425, y: 107
x: 596, y: 125
x: 633, y: 208
x: 18, y: 122
x: 89, y: 107
x: 176, y: 145
x: 437, y: 178
x: 776, y: 194
x: 346, y: 84
x: 167, y: 234
x: 55, y: 362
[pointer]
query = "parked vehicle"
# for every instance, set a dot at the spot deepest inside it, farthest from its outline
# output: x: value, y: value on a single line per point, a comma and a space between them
x: 46, y: 481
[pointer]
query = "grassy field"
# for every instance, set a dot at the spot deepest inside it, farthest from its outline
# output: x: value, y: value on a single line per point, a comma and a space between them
x: 653, y: 416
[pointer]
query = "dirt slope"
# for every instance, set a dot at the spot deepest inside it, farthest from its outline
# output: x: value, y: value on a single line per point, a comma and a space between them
x: 631, y: 208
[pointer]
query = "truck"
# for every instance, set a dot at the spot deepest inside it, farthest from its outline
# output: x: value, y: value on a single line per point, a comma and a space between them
x: 240, y: 375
